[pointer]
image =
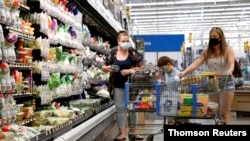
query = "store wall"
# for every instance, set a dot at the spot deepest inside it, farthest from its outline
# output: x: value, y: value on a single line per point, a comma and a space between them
x: 238, y: 52
x: 156, y: 46
x: 154, y: 56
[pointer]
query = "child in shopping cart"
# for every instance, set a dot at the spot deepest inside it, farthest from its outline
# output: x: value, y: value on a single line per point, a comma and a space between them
x: 169, y: 72
x: 170, y: 97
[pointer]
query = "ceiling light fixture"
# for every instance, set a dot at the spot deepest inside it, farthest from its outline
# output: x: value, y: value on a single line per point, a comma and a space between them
x: 178, y: 2
x: 187, y: 15
x: 187, y: 7
x: 191, y: 11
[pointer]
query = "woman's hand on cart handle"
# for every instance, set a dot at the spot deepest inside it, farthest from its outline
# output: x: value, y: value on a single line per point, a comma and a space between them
x: 182, y: 73
x: 127, y: 72
x: 229, y: 73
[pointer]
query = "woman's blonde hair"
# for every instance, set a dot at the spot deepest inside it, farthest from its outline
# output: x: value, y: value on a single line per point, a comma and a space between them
x: 223, y: 45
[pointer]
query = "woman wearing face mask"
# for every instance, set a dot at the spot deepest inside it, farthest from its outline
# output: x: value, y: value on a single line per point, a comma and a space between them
x: 218, y: 58
x: 128, y: 60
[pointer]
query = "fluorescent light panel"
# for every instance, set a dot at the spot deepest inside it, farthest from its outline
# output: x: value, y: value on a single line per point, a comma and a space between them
x: 190, y: 11
x: 175, y: 16
x: 184, y: 25
x: 228, y: 32
x: 184, y: 19
x: 246, y: 20
x: 188, y: 7
x: 196, y: 31
x: 187, y: 15
x: 233, y: 38
x: 179, y: 2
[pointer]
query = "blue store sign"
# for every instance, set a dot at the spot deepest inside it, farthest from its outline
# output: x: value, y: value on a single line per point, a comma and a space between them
x: 162, y: 43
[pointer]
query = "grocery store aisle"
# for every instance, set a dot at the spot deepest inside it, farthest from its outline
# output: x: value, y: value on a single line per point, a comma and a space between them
x: 240, y: 120
x: 114, y: 132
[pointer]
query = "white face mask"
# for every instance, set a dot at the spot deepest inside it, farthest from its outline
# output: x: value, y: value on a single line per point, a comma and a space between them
x: 125, y: 45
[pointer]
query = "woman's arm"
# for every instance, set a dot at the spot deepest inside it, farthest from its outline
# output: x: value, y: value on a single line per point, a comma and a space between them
x: 109, y: 60
x: 193, y: 66
x: 133, y: 69
x: 106, y: 68
x: 230, y: 58
x: 136, y: 63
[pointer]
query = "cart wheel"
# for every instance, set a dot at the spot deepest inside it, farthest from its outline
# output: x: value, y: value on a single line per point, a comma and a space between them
x: 219, y: 122
x: 131, y: 138
x: 150, y: 138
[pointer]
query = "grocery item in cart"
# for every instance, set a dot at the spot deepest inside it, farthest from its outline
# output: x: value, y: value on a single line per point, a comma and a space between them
x: 169, y: 102
x: 142, y: 77
x: 191, y: 80
x: 212, y: 108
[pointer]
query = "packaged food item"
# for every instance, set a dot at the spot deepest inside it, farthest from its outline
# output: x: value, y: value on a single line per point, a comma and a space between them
x: 191, y: 80
x: 43, y: 114
x: 19, y: 107
x: 28, y: 112
x: 19, y: 116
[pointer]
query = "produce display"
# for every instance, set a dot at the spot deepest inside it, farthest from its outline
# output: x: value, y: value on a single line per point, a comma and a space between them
x: 92, y: 103
x: 15, y: 132
x: 41, y: 61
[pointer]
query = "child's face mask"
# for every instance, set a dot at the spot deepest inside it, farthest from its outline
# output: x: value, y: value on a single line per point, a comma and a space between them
x: 166, y: 70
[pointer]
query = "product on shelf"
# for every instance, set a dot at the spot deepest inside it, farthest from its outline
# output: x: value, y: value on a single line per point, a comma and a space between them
x: 40, y: 63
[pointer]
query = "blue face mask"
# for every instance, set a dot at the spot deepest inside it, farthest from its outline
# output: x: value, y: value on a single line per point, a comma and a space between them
x: 125, y: 45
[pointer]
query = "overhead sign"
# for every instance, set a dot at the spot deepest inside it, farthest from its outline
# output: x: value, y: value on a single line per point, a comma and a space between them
x: 162, y: 43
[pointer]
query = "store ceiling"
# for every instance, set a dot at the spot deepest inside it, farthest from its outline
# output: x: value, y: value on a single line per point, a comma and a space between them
x: 195, y: 16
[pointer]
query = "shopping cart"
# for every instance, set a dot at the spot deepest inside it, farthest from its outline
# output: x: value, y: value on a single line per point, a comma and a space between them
x: 140, y: 97
x: 194, y: 97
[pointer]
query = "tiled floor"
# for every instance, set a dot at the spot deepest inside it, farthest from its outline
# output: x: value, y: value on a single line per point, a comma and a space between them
x: 239, y: 120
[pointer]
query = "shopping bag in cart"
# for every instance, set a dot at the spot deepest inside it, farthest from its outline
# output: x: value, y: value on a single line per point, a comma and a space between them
x: 141, y: 77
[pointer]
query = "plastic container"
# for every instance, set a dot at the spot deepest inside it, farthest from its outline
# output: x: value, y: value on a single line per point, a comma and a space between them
x: 19, y: 107
x: 93, y: 103
x: 212, y: 107
x: 19, y: 116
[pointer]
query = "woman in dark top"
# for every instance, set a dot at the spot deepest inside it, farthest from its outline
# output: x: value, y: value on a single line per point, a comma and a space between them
x: 128, y: 61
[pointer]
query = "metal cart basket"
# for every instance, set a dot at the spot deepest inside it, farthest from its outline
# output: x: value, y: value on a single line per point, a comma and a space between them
x: 194, y: 97
x: 140, y: 96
